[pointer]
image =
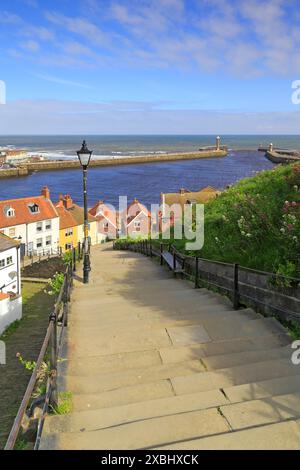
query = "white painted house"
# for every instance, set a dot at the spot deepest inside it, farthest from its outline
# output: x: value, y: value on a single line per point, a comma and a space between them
x: 10, y: 282
x: 33, y: 221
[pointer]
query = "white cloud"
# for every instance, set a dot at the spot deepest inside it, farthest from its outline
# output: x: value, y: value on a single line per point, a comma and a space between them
x: 31, y: 46
x: 61, y: 81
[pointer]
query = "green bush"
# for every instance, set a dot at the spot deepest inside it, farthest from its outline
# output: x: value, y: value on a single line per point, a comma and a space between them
x: 256, y: 223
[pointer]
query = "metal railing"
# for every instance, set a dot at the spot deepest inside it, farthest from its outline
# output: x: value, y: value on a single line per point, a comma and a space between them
x: 269, y: 293
x: 58, y: 321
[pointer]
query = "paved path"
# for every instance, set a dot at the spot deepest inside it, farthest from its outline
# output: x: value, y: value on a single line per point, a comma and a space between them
x: 153, y: 363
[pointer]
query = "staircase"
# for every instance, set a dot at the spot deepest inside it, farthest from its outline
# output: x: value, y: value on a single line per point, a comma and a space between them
x: 154, y: 364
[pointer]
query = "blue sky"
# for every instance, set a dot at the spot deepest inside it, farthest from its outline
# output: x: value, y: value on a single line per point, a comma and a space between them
x: 149, y: 66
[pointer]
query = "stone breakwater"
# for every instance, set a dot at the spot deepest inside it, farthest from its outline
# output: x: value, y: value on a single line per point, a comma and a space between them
x: 26, y: 168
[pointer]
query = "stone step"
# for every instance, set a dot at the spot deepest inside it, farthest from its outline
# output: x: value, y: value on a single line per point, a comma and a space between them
x: 123, y: 396
x: 221, y: 330
x: 265, y: 388
x: 145, y: 320
x: 264, y: 411
x: 256, y: 403
x: 219, y: 348
x: 245, y: 357
x: 279, y: 436
x: 107, y: 417
x: 231, y: 376
x: 121, y: 342
x: 109, y: 363
x: 96, y: 383
x: 142, y: 434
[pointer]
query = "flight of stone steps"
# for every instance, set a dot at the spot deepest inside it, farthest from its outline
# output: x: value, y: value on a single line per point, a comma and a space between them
x: 154, y: 364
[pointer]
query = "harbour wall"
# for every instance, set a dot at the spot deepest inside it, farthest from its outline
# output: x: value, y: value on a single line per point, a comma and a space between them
x: 26, y: 168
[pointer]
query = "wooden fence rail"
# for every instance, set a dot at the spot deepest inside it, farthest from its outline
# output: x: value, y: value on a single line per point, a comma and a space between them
x: 270, y: 293
x: 58, y: 321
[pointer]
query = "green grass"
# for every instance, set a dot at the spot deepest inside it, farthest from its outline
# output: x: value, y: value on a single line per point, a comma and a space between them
x: 10, y: 330
x: 21, y: 444
x: 65, y: 404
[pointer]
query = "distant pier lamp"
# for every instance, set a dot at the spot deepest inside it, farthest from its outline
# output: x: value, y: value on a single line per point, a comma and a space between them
x: 218, y: 142
x: 84, y: 157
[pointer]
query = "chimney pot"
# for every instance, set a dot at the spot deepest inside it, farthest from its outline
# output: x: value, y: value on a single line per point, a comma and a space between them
x: 45, y: 192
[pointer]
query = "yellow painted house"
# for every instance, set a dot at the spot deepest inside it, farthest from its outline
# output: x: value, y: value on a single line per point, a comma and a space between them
x: 68, y: 228
x: 71, y: 227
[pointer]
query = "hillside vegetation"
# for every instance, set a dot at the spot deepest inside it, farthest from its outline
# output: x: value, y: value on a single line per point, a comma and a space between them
x: 256, y: 223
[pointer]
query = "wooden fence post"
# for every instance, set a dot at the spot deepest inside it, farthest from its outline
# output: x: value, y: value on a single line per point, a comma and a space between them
x: 196, y: 272
x: 53, y: 359
x: 236, y: 303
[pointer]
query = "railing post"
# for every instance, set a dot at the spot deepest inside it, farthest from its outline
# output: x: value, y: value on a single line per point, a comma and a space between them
x: 174, y: 262
x: 161, y: 254
x: 74, y: 259
x: 151, y: 254
x: 196, y: 272
x: 236, y: 303
x: 53, y: 359
x: 66, y: 299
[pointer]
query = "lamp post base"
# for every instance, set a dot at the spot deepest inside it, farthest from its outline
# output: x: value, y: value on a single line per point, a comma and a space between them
x: 86, y: 268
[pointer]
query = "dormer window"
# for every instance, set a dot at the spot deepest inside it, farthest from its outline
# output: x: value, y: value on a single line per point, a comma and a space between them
x: 33, y: 208
x: 9, y: 211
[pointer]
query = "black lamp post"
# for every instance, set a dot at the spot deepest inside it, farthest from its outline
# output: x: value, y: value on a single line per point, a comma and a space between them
x: 84, y: 157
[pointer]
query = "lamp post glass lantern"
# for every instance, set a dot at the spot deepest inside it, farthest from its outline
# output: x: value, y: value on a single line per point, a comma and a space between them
x: 84, y: 157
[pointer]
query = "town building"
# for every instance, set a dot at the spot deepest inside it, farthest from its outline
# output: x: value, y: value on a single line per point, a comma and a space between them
x: 10, y: 282
x: 135, y: 221
x: 33, y: 221
x: 172, y: 204
x: 77, y: 214
x: 107, y: 220
x: 68, y: 228
x: 184, y: 196
x: 14, y: 156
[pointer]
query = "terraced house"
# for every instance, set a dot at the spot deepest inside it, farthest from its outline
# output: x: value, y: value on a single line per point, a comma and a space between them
x: 33, y: 221
x: 10, y: 282
x: 68, y: 228
x: 70, y: 213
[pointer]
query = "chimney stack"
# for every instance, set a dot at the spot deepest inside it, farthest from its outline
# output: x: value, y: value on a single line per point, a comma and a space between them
x: 68, y: 202
x: 45, y: 192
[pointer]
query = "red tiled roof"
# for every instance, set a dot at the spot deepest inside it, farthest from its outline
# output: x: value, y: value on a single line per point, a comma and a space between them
x: 4, y: 296
x: 66, y: 219
x: 22, y: 213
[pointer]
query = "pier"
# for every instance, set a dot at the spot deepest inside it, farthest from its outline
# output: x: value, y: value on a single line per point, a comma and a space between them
x: 24, y: 168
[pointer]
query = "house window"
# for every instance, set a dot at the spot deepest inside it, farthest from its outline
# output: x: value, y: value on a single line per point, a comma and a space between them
x: 48, y: 241
x: 48, y: 224
x: 39, y: 243
x: 39, y: 226
x: 10, y: 212
x: 9, y: 260
x: 69, y: 232
x: 33, y: 208
x: 12, y: 232
x: 2, y: 263
x: 105, y: 226
x: 68, y: 246
x: 137, y: 226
